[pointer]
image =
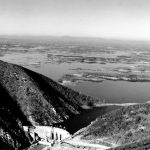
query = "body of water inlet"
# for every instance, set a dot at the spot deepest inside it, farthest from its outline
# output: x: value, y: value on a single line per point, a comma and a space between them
x: 85, y: 118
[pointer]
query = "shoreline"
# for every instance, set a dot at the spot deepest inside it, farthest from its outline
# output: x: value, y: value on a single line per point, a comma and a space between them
x: 86, y: 107
x: 115, y: 104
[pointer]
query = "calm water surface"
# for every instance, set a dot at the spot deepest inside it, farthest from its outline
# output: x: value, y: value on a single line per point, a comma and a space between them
x: 117, y: 91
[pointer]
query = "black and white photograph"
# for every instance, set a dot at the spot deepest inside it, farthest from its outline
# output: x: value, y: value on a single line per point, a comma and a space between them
x: 74, y: 74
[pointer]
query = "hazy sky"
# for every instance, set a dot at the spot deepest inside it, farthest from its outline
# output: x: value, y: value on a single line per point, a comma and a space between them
x: 98, y: 18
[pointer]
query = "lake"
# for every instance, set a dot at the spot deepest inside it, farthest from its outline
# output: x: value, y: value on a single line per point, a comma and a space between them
x: 82, y: 63
x: 56, y: 57
x: 116, y: 91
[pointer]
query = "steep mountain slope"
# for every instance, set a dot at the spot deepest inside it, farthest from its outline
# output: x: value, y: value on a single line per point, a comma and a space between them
x: 41, y: 100
x: 28, y: 98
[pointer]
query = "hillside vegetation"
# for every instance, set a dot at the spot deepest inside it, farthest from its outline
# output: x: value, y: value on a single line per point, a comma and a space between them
x: 121, y: 127
x: 42, y: 100
x: 28, y: 98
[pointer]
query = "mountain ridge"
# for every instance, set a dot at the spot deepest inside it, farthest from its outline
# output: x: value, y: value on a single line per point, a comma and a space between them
x: 28, y: 98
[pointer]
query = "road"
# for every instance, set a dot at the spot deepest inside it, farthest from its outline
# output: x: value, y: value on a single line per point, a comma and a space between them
x: 80, y: 144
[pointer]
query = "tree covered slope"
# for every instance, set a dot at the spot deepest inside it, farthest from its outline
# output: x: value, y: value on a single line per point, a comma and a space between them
x: 29, y: 98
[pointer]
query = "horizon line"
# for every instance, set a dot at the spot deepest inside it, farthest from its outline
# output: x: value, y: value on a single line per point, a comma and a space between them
x: 70, y: 36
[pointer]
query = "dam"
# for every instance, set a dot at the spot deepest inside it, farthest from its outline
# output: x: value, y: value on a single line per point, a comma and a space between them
x: 46, y: 135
